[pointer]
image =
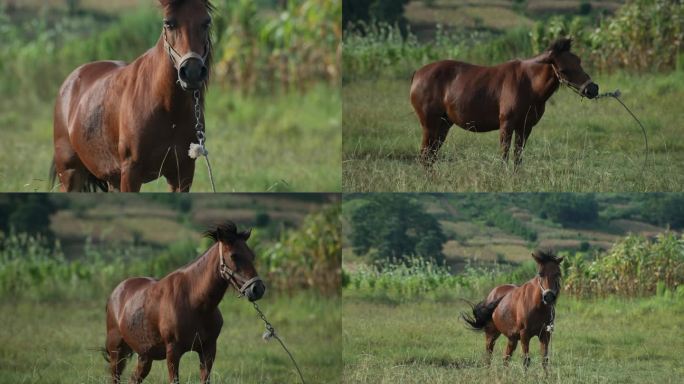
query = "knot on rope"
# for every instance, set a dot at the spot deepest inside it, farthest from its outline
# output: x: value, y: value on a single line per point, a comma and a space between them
x: 197, y: 150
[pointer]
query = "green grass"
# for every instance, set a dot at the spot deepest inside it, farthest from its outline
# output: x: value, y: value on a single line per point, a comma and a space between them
x: 596, y: 341
x: 56, y: 342
x: 578, y: 146
x: 261, y: 143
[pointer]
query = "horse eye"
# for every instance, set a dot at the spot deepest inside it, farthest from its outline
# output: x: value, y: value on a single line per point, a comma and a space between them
x: 170, y: 24
x: 206, y: 25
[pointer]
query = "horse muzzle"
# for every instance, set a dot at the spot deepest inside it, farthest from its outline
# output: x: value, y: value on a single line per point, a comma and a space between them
x: 549, y: 297
x: 192, y: 72
x: 591, y: 90
x: 255, y: 291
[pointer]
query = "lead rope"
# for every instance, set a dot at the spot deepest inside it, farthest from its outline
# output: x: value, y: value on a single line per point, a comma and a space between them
x: 271, y: 333
x: 616, y: 95
x: 198, y: 149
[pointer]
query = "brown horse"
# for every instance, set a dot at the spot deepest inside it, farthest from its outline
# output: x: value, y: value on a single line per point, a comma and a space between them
x: 163, y: 319
x: 523, y: 312
x: 509, y: 97
x: 117, y: 126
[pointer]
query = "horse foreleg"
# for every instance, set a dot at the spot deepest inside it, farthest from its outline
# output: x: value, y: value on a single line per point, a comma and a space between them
x: 172, y: 362
x: 545, y: 339
x: 505, y: 136
x: 525, y: 340
x: 142, y: 370
x: 510, y: 347
x: 521, y: 136
x: 206, y: 355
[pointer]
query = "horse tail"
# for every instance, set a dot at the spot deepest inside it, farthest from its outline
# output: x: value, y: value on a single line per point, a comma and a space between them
x: 482, y: 314
x: 93, y: 184
x: 105, y: 354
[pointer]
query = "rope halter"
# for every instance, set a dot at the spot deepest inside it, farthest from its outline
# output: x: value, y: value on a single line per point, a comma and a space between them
x: 231, y: 276
x: 550, y: 325
x: 577, y: 89
x: 178, y: 60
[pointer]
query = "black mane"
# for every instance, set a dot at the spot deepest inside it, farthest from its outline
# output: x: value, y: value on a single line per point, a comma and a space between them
x: 227, y: 232
x: 545, y: 256
x: 561, y: 45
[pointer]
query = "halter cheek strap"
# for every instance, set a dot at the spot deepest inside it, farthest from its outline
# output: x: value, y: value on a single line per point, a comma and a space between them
x: 550, y: 326
x: 574, y: 87
x: 179, y: 60
x: 230, y: 275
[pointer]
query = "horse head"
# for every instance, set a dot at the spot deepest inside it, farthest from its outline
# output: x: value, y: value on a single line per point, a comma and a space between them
x: 187, y: 40
x: 236, y: 261
x: 548, y: 275
x: 568, y: 68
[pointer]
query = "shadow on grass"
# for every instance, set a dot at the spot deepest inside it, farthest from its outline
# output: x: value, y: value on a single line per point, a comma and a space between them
x: 443, y: 362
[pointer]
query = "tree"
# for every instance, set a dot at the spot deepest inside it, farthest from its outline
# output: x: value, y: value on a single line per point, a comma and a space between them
x: 394, y: 227
x: 389, y: 11
x: 567, y: 208
x: 664, y: 209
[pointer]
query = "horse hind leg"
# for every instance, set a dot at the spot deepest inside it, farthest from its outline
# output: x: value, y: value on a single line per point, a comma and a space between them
x: 510, y: 348
x: 435, y: 130
x: 141, y: 370
x: 490, y: 341
x: 118, y: 353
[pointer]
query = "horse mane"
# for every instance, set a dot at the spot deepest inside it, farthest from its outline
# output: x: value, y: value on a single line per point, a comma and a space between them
x: 561, y: 45
x: 545, y: 256
x: 178, y: 3
x: 227, y: 232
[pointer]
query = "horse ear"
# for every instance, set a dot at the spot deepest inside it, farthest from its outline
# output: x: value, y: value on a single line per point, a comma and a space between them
x: 246, y: 234
x: 536, y: 258
x: 560, y: 260
x: 561, y: 45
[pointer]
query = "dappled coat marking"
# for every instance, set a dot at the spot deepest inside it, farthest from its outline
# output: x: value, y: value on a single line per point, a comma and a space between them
x: 163, y: 319
x: 521, y: 313
x: 117, y: 125
x: 509, y: 97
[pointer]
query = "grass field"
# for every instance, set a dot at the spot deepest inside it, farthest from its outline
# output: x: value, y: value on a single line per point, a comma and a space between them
x: 56, y: 343
x: 596, y: 341
x: 578, y: 146
x: 256, y: 144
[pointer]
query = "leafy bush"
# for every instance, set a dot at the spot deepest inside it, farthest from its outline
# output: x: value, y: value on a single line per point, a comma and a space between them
x: 389, y: 11
x: 35, y: 267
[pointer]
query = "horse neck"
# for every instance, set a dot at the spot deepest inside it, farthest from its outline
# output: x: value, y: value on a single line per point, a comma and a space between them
x: 543, y: 79
x: 535, y: 294
x: 207, y: 287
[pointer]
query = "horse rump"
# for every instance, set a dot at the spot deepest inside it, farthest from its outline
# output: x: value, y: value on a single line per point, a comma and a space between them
x: 482, y: 314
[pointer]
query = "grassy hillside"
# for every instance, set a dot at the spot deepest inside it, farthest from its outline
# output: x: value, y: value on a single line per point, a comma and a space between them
x: 475, y: 238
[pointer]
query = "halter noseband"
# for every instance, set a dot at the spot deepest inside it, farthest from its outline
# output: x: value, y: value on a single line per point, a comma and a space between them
x: 578, y: 89
x: 545, y: 291
x: 230, y: 275
x: 179, y: 60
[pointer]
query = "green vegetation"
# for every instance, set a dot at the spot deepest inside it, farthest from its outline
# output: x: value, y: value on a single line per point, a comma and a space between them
x: 59, y: 342
x: 615, y: 320
x: 577, y: 146
x: 54, y: 283
x: 388, y: 227
x: 595, y: 341
x: 272, y: 129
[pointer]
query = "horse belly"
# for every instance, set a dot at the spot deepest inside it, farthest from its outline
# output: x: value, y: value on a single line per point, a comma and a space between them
x: 137, y: 330
x: 472, y: 111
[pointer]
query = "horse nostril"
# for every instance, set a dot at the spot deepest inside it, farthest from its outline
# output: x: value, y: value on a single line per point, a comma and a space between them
x: 203, y: 73
x: 182, y: 74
